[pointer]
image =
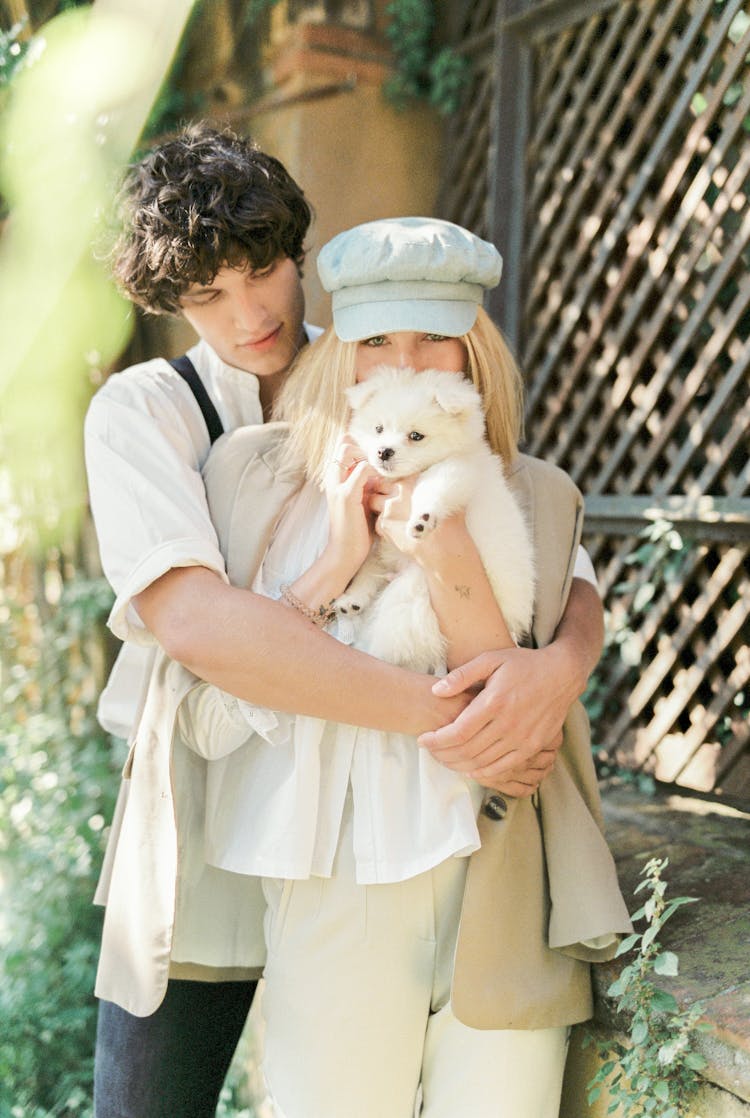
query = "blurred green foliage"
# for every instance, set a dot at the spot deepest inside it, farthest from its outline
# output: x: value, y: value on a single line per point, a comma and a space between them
x: 59, y: 774
x: 12, y: 51
x: 60, y: 317
x: 437, y: 74
x: 58, y: 771
x: 58, y: 777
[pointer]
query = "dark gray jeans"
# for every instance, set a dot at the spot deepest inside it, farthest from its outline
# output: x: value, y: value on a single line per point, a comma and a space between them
x: 173, y: 1063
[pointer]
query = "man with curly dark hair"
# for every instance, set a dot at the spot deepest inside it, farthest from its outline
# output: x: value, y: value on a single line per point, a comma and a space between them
x: 214, y: 230
x: 201, y: 211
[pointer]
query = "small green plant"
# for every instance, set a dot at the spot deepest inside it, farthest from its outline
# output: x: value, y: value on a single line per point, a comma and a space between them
x: 655, y: 1072
x: 439, y: 76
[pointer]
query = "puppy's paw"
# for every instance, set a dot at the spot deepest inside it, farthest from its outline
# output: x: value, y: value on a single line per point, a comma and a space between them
x: 348, y: 605
x: 421, y: 524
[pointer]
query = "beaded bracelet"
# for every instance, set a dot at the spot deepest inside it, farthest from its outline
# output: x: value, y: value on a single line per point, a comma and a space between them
x: 321, y: 616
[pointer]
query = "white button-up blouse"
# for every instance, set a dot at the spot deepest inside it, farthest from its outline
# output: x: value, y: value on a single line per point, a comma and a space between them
x: 276, y: 783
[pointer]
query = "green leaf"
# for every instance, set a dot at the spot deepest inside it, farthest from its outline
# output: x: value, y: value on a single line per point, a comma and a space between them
x: 695, y: 1061
x: 649, y: 935
x: 631, y: 651
x: 627, y: 943
x: 738, y: 27
x: 639, y: 1032
x: 643, y: 596
x: 661, y: 1090
x: 618, y: 987
x: 673, y: 905
x: 667, y: 964
x: 664, y: 1002
x: 641, y: 555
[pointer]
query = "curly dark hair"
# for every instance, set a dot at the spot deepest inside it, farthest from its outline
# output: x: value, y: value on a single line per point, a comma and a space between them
x: 205, y: 199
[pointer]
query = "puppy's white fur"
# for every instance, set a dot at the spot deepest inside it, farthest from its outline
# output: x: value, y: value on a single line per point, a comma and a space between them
x: 432, y: 424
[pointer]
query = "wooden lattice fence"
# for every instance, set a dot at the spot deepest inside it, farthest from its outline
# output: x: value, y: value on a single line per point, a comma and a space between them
x: 605, y: 147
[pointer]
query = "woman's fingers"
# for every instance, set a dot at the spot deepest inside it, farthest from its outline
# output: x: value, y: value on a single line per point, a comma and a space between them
x: 347, y: 454
x: 357, y: 477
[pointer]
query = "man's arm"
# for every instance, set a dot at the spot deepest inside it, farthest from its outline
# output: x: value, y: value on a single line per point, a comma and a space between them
x: 515, y: 722
x: 262, y: 651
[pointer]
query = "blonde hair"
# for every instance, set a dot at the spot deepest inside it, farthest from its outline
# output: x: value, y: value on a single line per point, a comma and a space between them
x: 313, y: 398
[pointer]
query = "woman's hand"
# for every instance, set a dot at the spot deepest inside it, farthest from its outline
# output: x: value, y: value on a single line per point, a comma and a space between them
x: 391, y: 502
x: 347, y: 483
x: 513, y: 726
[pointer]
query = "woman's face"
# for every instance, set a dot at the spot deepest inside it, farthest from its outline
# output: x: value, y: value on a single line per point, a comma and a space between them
x: 410, y: 349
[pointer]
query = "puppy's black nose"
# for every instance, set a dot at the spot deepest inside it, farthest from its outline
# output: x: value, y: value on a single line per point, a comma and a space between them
x: 385, y: 452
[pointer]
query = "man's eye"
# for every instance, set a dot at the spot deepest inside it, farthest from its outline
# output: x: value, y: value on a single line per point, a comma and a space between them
x: 378, y: 428
x: 415, y: 436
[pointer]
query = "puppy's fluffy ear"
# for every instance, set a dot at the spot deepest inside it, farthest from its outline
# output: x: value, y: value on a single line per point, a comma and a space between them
x: 358, y: 394
x: 455, y: 395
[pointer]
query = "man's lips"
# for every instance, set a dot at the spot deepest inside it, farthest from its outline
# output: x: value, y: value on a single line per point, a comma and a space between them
x: 257, y: 345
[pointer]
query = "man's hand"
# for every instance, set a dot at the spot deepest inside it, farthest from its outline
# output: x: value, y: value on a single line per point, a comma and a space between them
x: 508, y: 736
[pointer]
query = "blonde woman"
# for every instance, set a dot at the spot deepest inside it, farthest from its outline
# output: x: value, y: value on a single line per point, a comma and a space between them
x: 427, y: 938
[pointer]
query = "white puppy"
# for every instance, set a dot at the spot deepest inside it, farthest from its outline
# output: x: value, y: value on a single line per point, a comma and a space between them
x: 432, y: 424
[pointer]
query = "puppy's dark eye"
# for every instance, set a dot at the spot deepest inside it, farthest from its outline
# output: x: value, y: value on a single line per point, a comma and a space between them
x: 378, y: 428
x: 415, y: 436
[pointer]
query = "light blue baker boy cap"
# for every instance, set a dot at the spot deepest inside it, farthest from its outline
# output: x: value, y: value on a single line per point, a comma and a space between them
x: 407, y: 273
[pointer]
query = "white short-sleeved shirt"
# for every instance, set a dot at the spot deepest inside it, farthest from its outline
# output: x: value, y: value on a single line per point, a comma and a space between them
x: 145, y: 444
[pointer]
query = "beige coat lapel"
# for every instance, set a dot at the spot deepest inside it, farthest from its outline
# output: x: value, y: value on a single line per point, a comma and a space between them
x: 543, y: 880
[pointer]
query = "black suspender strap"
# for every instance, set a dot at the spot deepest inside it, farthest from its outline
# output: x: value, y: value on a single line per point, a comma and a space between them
x: 185, y: 367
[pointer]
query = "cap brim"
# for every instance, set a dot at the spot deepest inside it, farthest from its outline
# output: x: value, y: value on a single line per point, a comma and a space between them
x: 431, y: 316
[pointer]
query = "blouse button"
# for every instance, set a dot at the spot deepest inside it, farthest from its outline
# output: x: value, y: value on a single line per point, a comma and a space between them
x: 495, y: 807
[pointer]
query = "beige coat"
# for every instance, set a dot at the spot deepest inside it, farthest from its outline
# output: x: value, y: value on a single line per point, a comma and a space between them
x: 542, y: 883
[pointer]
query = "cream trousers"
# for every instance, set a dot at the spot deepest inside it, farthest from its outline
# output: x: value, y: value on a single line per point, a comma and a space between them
x: 358, y: 1022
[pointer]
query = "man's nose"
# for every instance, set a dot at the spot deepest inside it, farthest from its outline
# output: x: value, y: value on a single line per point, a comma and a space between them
x: 249, y: 312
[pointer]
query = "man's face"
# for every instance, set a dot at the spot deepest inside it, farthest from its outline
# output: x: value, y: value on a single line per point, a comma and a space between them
x: 252, y: 319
